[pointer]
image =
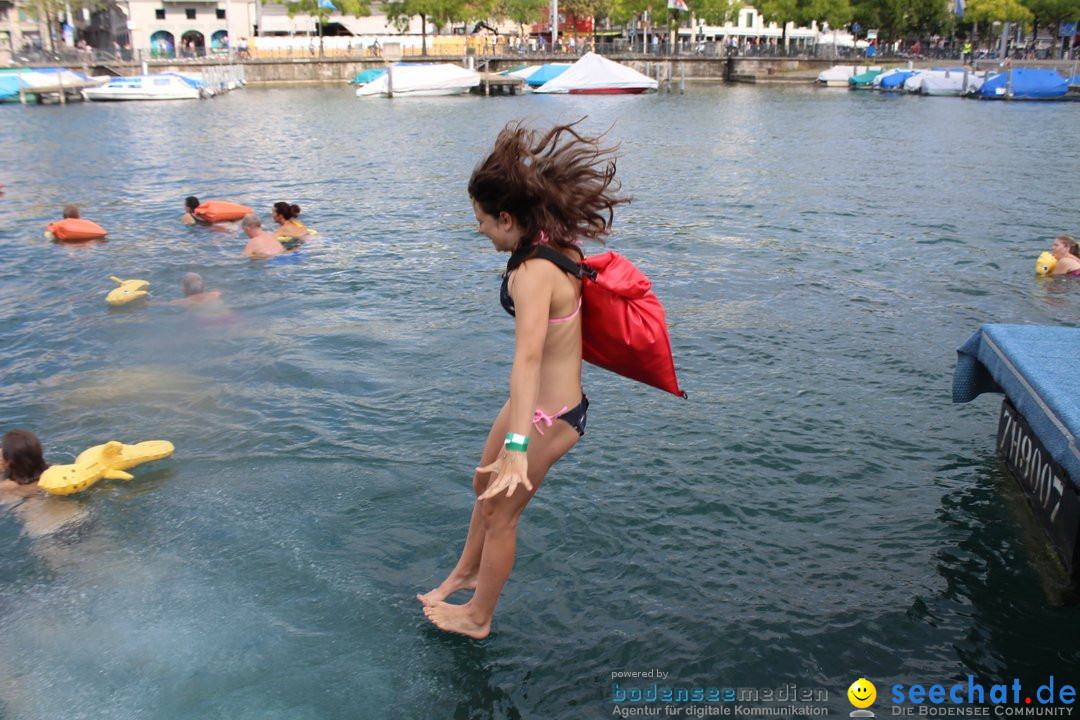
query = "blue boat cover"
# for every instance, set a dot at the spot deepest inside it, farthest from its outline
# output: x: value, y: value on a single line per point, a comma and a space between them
x: 545, y: 73
x: 1074, y: 80
x: 9, y: 86
x: 1029, y: 83
x: 1035, y: 366
x: 896, y: 80
x: 368, y: 75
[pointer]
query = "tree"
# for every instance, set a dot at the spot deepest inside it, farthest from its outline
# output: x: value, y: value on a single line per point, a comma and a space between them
x: 835, y: 12
x: 523, y: 12
x: 321, y: 9
x: 989, y: 11
x: 1051, y: 13
x: 51, y: 10
x: 439, y: 12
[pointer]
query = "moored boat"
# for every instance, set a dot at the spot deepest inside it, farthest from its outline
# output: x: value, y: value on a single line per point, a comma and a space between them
x: 421, y: 80
x: 161, y: 86
x: 596, y: 75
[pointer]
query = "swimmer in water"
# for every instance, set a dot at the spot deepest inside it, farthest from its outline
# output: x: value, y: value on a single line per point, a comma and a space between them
x: 261, y: 244
x: 289, y: 228
x: 21, y: 464
x: 553, y: 188
x: 190, y: 203
x: 194, y: 291
x: 1067, y: 252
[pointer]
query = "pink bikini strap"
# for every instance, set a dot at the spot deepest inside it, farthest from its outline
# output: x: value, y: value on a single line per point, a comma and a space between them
x: 568, y: 318
x: 541, y: 417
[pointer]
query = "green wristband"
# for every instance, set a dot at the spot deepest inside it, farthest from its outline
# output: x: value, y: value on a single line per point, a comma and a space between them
x: 517, y: 442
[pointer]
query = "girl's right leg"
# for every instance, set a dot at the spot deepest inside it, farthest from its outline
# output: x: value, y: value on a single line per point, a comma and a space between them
x: 463, y: 576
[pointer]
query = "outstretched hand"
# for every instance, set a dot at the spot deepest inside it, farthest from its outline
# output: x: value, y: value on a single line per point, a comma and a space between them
x: 509, y: 470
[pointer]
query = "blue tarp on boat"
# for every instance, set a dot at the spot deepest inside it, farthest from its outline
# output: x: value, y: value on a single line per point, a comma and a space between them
x: 1027, y: 83
x: 368, y: 75
x: 545, y: 73
x: 895, y: 81
x: 9, y: 86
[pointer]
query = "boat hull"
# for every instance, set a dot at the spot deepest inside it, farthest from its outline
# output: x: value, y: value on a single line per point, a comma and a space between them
x: 609, y: 91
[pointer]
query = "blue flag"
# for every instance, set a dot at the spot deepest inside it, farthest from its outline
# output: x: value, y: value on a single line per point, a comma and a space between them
x: 327, y: 5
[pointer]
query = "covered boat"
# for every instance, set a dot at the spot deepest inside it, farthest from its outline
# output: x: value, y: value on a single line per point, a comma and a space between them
x: 596, y: 75
x: 421, y: 80
x: 863, y: 81
x: 161, y: 86
x: 955, y: 81
x: 893, y: 81
x: 838, y: 75
x: 363, y: 78
x: 1024, y: 84
x: 41, y: 81
x: 544, y: 73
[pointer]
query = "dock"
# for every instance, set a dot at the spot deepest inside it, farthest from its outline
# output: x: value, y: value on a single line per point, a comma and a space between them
x: 496, y: 84
x: 1039, y: 420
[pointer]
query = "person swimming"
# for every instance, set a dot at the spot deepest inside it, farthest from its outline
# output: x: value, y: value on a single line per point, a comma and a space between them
x: 261, y: 244
x: 1067, y: 252
x: 289, y: 228
x: 190, y: 203
x: 21, y: 463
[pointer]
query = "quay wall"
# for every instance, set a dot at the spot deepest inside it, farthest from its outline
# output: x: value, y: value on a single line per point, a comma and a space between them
x: 335, y: 69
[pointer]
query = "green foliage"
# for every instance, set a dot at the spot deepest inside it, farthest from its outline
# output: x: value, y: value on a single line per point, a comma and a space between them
x: 523, y: 12
x: 991, y: 10
x: 1053, y: 11
x: 358, y: 8
x: 439, y: 13
x: 715, y: 12
x: 835, y: 12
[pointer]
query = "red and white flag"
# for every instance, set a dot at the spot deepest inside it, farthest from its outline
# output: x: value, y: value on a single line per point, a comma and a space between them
x: 677, y: 5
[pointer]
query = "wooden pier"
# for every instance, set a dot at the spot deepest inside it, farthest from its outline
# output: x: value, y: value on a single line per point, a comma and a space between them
x: 496, y: 84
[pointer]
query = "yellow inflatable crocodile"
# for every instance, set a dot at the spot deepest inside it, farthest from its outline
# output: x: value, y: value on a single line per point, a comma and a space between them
x: 101, y: 461
x: 129, y: 290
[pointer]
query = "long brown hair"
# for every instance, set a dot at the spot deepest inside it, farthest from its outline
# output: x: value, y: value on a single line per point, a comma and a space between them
x: 1070, y: 244
x: 558, y: 182
x: 23, y: 454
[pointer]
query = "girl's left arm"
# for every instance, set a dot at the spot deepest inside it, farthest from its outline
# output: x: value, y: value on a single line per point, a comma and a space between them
x: 531, y: 289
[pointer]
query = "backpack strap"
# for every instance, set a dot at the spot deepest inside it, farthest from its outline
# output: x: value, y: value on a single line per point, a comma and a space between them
x: 578, y: 270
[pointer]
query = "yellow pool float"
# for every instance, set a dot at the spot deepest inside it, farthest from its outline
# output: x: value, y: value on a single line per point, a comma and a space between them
x: 1045, y: 264
x: 101, y: 461
x: 129, y: 290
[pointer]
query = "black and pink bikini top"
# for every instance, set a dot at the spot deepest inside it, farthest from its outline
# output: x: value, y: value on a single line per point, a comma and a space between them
x: 546, y: 253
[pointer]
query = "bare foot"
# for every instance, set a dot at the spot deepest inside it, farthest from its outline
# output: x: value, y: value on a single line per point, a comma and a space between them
x: 456, y: 619
x: 449, y: 586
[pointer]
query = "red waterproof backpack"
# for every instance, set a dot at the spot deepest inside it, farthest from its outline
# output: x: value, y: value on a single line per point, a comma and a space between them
x: 623, y: 325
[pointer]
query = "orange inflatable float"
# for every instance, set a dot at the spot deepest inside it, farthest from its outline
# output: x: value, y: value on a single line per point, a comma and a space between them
x: 218, y: 211
x: 70, y: 229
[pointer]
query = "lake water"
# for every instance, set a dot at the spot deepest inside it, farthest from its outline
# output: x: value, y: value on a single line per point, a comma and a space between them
x: 816, y: 512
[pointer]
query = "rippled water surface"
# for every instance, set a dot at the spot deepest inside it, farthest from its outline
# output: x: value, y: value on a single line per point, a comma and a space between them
x: 817, y: 510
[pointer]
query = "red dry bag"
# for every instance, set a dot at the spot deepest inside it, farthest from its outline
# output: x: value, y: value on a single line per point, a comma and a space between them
x: 218, y: 211
x: 623, y: 325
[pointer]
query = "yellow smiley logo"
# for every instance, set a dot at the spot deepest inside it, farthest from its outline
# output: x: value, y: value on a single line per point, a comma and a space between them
x: 862, y: 693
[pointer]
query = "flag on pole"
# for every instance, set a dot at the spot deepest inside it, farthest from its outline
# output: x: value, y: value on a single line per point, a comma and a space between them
x: 677, y: 5
x: 327, y: 5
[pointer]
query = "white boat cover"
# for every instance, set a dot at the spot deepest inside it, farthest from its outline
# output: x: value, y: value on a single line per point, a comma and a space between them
x: 416, y: 79
x: 525, y: 71
x: 840, y: 73
x: 595, y: 73
x: 913, y: 83
x: 948, y: 82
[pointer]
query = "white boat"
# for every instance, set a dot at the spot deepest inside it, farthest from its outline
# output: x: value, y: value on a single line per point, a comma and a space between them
x: 949, y: 82
x: 596, y: 75
x: 162, y: 86
x: 838, y: 75
x: 421, y: 80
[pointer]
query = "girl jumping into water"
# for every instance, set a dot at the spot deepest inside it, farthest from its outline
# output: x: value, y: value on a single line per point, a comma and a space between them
x: 553, y: 188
